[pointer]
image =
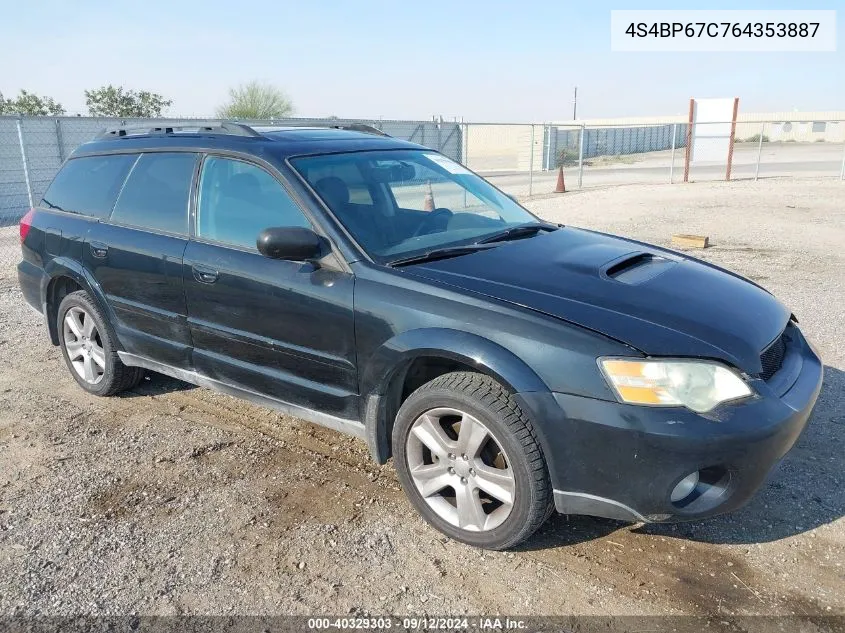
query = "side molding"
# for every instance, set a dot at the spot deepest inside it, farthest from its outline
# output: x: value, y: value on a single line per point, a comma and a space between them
x: 349, y: 427
x: 583, y: 503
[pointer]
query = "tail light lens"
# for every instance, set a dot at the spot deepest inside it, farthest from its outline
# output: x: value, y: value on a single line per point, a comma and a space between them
x: 26, y: 224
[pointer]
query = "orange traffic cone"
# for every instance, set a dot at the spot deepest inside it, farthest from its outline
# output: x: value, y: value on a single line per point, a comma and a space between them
x: 561, y: 185
x: 428, y: 201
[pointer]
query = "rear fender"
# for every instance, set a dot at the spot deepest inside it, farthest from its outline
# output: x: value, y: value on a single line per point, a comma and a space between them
x: 57, y: 268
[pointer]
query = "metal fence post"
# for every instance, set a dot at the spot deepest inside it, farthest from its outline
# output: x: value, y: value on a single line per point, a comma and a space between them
x: 59, y: 143
x: 465, y: 152
x: 581, y: 157
x: 547, y: 146
x: 672, y: 164
x: 25, y: 163
x: 531, y: 164
x: 759, y: 149
x: 842, y: 169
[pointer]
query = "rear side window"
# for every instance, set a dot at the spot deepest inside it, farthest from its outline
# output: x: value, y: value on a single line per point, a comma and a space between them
x: 88, y: 185
x: 156, y: 193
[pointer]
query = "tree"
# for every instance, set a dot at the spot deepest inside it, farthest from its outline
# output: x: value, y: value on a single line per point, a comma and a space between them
x: 115, y: 101
x: 31, y: 105
x: 255, y: 100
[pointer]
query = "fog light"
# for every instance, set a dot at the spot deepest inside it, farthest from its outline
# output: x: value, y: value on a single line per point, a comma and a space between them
x: 684, y: 487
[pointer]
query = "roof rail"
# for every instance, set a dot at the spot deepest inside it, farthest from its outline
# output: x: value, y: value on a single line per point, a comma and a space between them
x: 359, y: 127
x: 218, y: 127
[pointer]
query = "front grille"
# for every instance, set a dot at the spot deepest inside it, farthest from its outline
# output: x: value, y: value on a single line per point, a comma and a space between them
x: 772, y: 357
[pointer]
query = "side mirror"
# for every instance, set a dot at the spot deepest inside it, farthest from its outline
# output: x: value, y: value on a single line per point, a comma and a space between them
x: 292, y: 243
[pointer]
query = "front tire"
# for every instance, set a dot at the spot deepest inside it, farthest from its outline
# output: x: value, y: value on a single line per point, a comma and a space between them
x: 467, y: 458
x: 88, y: 346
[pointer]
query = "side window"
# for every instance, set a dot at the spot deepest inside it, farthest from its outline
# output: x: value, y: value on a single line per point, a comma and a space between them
x: 156, y: 193
x: 89, y: 185
x: 239, y: 200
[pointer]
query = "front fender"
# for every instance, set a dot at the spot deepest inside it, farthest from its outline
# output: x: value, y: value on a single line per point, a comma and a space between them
x: 397, y: 353
x: 473, y: 350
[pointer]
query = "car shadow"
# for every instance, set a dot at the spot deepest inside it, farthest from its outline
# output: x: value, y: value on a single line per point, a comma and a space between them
x: 155, y: 384
x: 562, y: 530
x: 803, y: 492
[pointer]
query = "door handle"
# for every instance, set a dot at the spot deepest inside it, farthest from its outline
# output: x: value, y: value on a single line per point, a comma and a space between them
x: 205, y: 275
x: 99, y: 250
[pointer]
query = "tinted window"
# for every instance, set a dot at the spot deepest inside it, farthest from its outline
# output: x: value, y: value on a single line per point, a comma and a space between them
x: 156, y: 193
x: 239, y: 200
x: 89, y: 185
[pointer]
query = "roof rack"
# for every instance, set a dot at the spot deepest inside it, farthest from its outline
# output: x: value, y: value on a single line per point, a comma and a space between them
x: 218, y: 127
x: 359, y: 127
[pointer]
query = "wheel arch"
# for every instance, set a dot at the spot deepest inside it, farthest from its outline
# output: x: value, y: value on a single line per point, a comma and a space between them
x: 414, y: 357
x: 63, y: 277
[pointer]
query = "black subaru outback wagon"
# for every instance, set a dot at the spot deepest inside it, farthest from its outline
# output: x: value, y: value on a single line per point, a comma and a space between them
x: 509, y: 366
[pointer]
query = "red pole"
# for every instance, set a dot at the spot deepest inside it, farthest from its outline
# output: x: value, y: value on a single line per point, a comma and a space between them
x: 733, y: 133
x: 689, y: 140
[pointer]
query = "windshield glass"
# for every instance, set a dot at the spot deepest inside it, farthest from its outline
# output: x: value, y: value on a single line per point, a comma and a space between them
x: 398, y: 203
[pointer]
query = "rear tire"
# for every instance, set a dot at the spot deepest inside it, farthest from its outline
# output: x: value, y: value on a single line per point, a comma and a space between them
x: 88, y: 346
x: 467, y: 458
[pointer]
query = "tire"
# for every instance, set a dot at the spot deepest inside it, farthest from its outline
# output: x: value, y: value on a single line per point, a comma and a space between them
x: 504, y: 473
x: 88, y: 346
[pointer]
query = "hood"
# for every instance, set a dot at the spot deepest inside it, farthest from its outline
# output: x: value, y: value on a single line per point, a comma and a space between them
x: 658, y: 301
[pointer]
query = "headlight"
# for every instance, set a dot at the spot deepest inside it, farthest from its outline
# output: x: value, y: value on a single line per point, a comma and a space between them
x: 697, y: 385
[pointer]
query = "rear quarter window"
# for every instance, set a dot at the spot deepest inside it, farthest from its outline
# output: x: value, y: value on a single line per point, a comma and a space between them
x: 156, y: 193
x: 88, y: 185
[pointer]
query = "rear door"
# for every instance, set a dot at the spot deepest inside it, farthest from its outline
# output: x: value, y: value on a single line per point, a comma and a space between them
x: 278, y: 328
x: 136, y: 257
x: 81, y: 195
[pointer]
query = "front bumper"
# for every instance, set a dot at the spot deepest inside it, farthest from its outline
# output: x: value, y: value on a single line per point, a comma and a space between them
x: 622, y: 461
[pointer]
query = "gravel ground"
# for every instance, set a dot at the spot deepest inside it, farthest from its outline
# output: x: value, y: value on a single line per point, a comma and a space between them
x: 173, y: 499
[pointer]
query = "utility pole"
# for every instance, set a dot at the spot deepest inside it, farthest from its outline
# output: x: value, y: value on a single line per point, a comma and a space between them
x: 575, y: 105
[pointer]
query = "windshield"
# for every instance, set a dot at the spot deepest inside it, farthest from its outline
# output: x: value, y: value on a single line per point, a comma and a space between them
x: 399, y: 203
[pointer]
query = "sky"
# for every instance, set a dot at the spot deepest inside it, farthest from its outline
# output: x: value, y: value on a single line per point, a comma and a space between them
x: 491, y: 61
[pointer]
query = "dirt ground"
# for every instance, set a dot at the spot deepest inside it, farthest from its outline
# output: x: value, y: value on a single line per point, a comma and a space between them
x: 173, y: 499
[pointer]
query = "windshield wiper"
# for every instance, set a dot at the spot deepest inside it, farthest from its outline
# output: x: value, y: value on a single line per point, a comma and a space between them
x: 51, y: 205
x: 518, y: 232
x: 439, y: 253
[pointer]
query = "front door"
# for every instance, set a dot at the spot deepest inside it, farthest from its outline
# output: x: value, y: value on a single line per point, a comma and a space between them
x: 277, y: 328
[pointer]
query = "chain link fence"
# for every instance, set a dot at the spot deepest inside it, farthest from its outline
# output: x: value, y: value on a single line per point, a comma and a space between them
x: 524, y: 160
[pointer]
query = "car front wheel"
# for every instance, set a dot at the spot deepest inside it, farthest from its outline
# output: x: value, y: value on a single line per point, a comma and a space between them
x: 469, y: 461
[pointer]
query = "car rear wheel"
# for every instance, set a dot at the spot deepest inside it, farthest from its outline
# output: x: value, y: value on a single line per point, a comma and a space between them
x: 467, y: 457
x: 87, y: 344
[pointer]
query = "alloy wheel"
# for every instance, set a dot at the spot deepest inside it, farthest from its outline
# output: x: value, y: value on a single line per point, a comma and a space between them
x: 84, y: 345
x: 460, y: 469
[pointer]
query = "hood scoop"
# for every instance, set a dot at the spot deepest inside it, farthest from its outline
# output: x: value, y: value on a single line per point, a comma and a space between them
x: 638, y: 268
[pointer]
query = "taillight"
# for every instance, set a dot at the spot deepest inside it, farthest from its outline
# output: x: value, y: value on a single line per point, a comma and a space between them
x: 26, y: 224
